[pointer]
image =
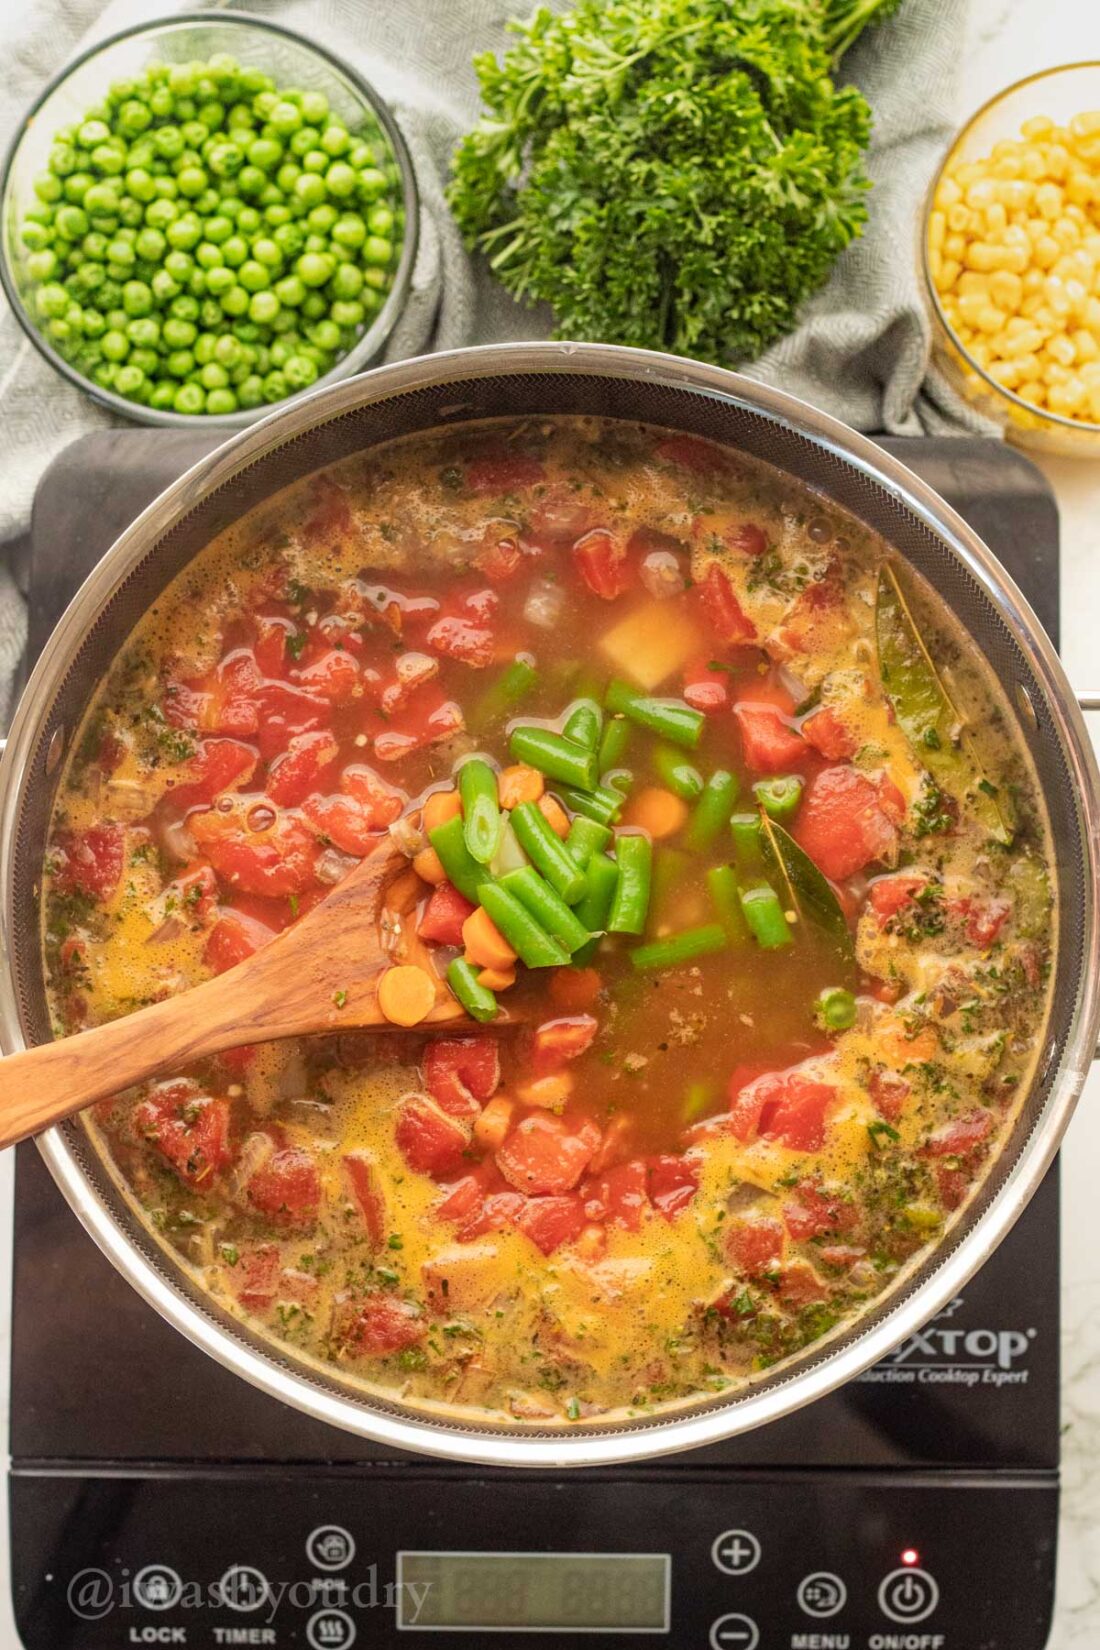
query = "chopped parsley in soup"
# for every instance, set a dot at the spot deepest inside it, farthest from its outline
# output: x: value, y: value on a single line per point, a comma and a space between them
x: 717, y: 831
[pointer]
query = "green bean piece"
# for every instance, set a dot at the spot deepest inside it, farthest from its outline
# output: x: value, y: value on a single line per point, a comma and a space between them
x: 747, y: 842
x: 615, y: 743
x: 594, y: 907
x: 604, y: 805
x: 618, y: 779
x: 449, y: 842
x: 725, y: 896
x: 478, y: 1001
x: 547, y: 907
x: 670, y: 867
x: 509, y: 690
x: 631, y: 903
x: 712, y: 810
x: 699, y: 1098
x: 586, y: 837
x: 482, y: 819
x: 547, y: 852
x: 676, y: 949
x: 584, y: 724
x: 672, y: 719
x: 835, y: 1009
x: 681, y: 777
x: 764, y: 915
x: 527, y: 937
x: 555, y: 756
x: 779, y: 797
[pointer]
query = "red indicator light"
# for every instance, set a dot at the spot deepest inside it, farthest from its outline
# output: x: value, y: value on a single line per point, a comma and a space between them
x: 910, y: 1556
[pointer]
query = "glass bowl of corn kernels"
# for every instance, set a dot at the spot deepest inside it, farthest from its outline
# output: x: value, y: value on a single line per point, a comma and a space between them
x: 1011, y: 252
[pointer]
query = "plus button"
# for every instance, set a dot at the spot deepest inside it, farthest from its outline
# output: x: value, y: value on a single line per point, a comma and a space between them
x: 736, y: 1552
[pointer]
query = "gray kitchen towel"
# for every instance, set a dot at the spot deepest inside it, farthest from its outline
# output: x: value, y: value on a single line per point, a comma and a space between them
x: 861, y: 352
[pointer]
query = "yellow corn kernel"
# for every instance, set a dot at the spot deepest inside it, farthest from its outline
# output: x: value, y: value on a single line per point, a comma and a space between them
x: 967, y: 173
x: 1039, y: 126
x: 1085, y: 124
x: 1032, y: 280
x: 1035, y: 393
x: 1093, y: 404
x: 1066, y: 398
x: 1091, y: 314
x: 959, y: 218
x: 1090, y: 374
x: 1056, y: 295
x: 1017, y: 194
x: 954, y: 246
x: 1006, y: 373
x: 1024, y: 342
x: 949, y: 271
x: 980, y: 352
x: 1058, y: 159
x: 1066, y: 233
x: 1033, y: 166
x: 1088, y: 150
x: 1062, y: 349
x: 1048, y: 201
x: 1084, y: 342
x: 990, y: 320
x: 1079, y: 189
x: 1030, y: 368
x: 948, y: 193
x: 1006, y: 289
x: 970, y: 282
x: 937, y: 229
x: 1045, y: 251
x: 1054, y: 373
x: 996, y: 218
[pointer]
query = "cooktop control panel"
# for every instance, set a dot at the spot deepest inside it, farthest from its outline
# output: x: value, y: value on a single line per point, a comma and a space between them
x: 696, y: 1561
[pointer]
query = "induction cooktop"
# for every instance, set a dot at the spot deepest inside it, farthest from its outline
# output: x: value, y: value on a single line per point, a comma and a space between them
x: 157, y: 1499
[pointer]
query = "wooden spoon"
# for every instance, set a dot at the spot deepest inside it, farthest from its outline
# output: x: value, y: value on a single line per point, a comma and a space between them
x: 321, y: 974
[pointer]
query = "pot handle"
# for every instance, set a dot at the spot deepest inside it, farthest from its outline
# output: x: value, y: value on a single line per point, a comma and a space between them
x: 1089, y: 698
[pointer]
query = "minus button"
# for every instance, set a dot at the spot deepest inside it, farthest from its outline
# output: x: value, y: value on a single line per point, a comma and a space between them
x: 734, y: 1632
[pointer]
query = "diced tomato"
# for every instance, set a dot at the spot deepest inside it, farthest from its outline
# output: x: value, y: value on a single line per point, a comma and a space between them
x: 673, y: 1182
x: 427, y: 717
x: 285, y: 712
x: 188, y: 1128
x: 303, y: 767
x: 384, y: 1324
x: 825, y: 731
x: 334, y: 676
x: 813, y: 1213
x: 706, y: 689
x: 345, y: 823
x: 215, y: 766
x: 841, y: 1255
x: 380, y: 801
x: 788, y: 1106
x: 962, y: 1136
x: 889, y: 1091
x: 223, y: 702
x: 799, y: 1285
x: 254, y: 1279
x: 556, y: 1041
x: 952, y: 1184
x: 237, y: 1060
x: 691, y: 453
x: 460, y: 1073
x: 983, y: 919
x: 361, y: 1173
x: 462, y: 639
x: 90, y: 862
x: 604, y: 569
x: 769, y: 743
x: 444, y: 915
x: 503, y: 472
x: 270, y: 646
x: 841, y: 823
x: 747, y: 538
x: 275, y: 862
x: 496, y: 1213
x: 194, y: 894
x: 755, y: 1246
x: 889, y: 895
x: 890, y: 800
x: 112, y: 749
x: 233, y: 938
x: 619, y: 1195
x: 551, y: 1221
x: 545, y: 1154
x: 724, y: 612
x: 501, y: 556
x: 286, y: 1188
x: 430, y: 1141
x: 461, y: 1199
x: 556, y: 519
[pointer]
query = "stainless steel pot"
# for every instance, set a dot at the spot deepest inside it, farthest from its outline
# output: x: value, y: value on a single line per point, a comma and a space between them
x: 537, y: 379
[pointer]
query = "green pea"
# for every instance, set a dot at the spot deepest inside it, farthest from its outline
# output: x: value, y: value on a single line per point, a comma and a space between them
x: 160, y: 213
x: 289, y: 239
x: 229, y: 351
x: 129, y: 380
x: 314, y: 268
x: 219, y: 281
x: 347, y: 313
x: 300, y: 372
x: 253, y: 276
x: 93, y: 132
x: 290, y: 291
x: 264, y: 308
x: 251, y: 181
x: 213, y: 376
x: 314, y: 306
x: 218, y: 228
x: 251, y: 393
x: 115, y: 345
x: 41, y: 265
x: 179, y: 334
x: 184, y: 233
x: 72, y: 222
x: 191, y: 181
x: 137, y: 298
x: 372, y: 183
x: 309, y: 189
x: 377, y: 250
x: 234, y: 251
x: 221, y: 402
x: 179, y: 363
x: 144, y: 330
x: 189, y: 398
x: 162, y: 397
x: 315, y: 108
x: 147, y: 360
x: 275, y: 387
x: 287, y: 176
x: 347, y: 282
x: 236, y: 300
x: 321, y: 218
x: 380, y: 220
x: 285, y: 118
x: 349, y: 231
x: 248, y: 220
x: 51, y: 300
x: 265, y: 154
x: 341, y: 180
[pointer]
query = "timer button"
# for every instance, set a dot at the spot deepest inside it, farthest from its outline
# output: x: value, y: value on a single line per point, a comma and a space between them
x: 908, y: 1595
x: 735, y: 1552
x: 734, y: 1632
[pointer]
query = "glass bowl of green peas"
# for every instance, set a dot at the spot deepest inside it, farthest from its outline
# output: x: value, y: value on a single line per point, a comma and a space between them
x: 204, y: 217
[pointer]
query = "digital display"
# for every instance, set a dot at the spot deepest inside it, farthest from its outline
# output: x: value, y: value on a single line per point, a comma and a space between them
x: 533, y: 1592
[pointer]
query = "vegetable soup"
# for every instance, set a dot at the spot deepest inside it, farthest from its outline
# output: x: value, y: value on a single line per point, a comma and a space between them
x: 719, y: 837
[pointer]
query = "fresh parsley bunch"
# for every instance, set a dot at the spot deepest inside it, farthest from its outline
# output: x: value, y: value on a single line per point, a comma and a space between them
x: 678, y: 174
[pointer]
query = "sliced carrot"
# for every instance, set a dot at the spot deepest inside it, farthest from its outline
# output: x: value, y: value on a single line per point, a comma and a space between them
x: 439, y: 808
x: 491, y: 1128
x: 496, y: 979
x: 406, y: 994
x: 429, y: 866
x: 554, y: 814
x: 484, y: 942
x: 657, y: 811
x: 519, y: 784
x: 550, y: 1092
x: 574, y: 989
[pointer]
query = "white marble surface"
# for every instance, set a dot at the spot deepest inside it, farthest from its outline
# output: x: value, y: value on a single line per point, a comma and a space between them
x: 1008, y: 39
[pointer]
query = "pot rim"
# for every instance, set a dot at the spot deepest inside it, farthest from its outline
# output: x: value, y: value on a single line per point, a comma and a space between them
x: 461, y: 1439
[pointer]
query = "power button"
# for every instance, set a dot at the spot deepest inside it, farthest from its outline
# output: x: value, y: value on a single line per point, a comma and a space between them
x: 908, y: 1595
